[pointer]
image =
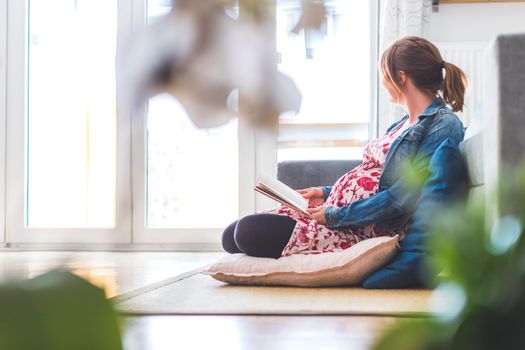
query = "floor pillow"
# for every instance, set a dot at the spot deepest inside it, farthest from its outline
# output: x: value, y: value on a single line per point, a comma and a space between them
x: 345, y: 268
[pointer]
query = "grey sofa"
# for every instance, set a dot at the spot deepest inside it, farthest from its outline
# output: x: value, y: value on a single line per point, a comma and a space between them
x: 311, y: 173
x: 497, y: 140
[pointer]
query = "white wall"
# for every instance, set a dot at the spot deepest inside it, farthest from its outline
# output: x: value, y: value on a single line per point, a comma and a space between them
x: 475, y: 21
x: 468, y: 28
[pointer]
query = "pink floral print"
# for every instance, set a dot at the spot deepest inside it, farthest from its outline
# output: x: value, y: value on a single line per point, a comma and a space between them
x: 311, y: 237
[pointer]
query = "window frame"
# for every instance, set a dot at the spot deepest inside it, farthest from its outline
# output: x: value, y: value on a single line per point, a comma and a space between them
x: 15, y: 228
x: 350, y: 127
x: 257, y: 150
x: 3, y: 113
x: 131, y: 151
x: 187, y: 238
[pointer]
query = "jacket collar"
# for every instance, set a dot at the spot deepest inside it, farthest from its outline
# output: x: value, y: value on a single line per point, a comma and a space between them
x: 432, y: 108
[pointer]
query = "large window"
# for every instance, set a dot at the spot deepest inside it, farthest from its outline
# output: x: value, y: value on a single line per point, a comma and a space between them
x: 67, y: 148
x: 71, y: 114
x: 332, y: 69
x: 83, y: 168
x: 192, y: 174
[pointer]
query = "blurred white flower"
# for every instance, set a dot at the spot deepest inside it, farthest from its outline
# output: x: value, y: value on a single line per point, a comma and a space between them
x: 313, y: 15
x: 202, y: 56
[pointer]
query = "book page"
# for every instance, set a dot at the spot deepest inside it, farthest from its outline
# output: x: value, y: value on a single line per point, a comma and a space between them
x: 270, y: 194
x: 279, y: 189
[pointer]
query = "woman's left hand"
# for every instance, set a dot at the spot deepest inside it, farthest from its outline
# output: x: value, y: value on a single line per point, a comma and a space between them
x: 318, y: 214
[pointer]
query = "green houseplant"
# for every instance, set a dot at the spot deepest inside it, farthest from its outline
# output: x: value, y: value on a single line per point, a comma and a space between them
x: 480, y: 253
x: 56, y: 311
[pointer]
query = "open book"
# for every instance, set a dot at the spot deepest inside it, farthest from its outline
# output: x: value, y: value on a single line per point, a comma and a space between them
x: 281, y: 193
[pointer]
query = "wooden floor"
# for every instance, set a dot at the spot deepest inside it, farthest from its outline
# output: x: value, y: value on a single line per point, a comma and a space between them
x: 120, y: 272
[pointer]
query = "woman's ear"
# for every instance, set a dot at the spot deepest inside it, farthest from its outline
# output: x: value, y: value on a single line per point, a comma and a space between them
x: 402, y: 78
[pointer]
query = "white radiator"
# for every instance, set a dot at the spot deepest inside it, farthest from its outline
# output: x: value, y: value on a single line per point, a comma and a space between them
x: 469, y: 57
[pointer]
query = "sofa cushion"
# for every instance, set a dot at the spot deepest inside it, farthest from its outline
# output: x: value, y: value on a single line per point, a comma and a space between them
x: 447, y: 182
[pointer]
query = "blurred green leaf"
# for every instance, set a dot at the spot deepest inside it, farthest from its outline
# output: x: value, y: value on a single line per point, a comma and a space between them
x: 414, y: 172
x: 485, y: 256
x: 413, y: 335
x: 56, y: 311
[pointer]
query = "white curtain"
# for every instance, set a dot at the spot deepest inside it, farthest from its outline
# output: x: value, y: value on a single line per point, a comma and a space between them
x: 398, y: 19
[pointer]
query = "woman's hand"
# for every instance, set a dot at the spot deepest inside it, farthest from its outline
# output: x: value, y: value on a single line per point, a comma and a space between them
x: 313, y: 194
x: 318, y: 214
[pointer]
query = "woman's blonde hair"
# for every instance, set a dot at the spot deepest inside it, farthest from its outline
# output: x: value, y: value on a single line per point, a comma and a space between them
x: 422, y: 62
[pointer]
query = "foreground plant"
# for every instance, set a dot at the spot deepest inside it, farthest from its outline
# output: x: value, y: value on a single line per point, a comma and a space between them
x: 480, y: 251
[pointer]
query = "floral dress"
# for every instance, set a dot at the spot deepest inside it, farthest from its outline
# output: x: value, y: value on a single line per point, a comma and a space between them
x: 311, y: 237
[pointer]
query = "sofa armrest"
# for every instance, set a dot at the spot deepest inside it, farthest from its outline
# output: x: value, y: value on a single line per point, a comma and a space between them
x: 312, y: 173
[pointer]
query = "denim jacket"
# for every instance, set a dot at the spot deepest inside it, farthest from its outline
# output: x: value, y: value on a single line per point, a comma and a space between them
x: 392, y: 206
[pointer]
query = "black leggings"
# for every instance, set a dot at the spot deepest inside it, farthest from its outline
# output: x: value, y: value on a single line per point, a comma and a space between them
x: 262, y: 235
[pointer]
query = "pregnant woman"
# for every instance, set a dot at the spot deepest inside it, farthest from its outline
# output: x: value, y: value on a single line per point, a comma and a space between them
x: 370, y: 200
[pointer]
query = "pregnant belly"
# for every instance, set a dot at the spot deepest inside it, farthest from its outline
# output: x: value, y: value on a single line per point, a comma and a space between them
x: 359, y: 183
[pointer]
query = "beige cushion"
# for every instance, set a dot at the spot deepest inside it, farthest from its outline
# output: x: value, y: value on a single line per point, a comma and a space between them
x: 346, y: 268
x: 472, y: 150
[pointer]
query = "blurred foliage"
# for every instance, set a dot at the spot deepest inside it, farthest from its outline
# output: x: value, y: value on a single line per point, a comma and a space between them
x: 414, y: 171
x: 479, y: 247
x: 56, y: 311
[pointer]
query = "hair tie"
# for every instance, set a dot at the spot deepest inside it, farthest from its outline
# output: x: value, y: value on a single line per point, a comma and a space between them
x: 443, y: 64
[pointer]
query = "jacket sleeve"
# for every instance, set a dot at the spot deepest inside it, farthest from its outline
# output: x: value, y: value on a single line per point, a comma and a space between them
x: 398, y: 198
x: 326, y: 191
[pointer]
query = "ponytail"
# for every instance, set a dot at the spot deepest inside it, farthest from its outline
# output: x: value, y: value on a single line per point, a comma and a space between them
x: 422, y: 62
x: 454, y: 86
